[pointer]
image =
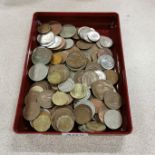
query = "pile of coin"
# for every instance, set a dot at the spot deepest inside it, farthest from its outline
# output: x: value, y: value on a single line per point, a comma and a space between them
x: 74, y: 81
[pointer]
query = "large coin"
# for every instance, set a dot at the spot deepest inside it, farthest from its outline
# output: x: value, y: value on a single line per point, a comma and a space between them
x: 42, y: 123
x: 41, y: 55
x: 113, y: 119
x: 112, y: 100
x: 38, y: 72
x: 68, y: 31
x: 106, y: 41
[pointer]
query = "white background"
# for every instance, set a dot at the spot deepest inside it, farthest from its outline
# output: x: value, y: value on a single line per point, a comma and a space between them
x: 138, y: 36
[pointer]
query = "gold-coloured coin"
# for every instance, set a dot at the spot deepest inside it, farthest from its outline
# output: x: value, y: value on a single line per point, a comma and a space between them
x: 95, y: 126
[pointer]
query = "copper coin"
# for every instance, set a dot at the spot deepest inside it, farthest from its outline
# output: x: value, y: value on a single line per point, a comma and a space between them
x: 104, y: 51
x: 97, y: 103
x: 83, y: 45
x: 76, y: 59
x: 93, y: 66
x: 112, y: 100
x: 112, y: 76
x: 56, y: 27
x: 44, y: 28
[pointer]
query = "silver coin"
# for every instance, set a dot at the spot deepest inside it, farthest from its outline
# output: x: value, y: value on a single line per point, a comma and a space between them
x: 45, y: 38
x: 38, y: 72
x: 68, y: 31
x: 57, y: 42
x: 106, y: 41
x: 101, y: 74
x: 93, y: 36
x: 41, y: 55
x: 83, y: 31
x: 106, y: 61
x: 69, y: 43
x: 67, y: 86
x: 113, y: 119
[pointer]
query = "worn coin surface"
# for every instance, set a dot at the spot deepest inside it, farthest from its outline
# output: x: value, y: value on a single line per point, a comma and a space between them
x: 41, y: 55
x: 68, y: 31
x: 69, y: 43
x: 38, y: 72
x: 56, y: 27
x: 113, y: 119
x: 106, y: 41
x: 83, y: 45
x: 44, y: 28
x: 104, y: 51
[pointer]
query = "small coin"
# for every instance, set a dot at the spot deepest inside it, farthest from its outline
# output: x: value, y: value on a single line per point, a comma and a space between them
x: 31, y: 110
x: 56, y: 43
x: 66, y: 86
x: 56, y: 27
x: 112, y: 100
x: 83, y: 114
x: 83, y: 128
x: 101, y: 74
x: 56, y: 59
x: 113, y: 119
x: 106, y: 61
x: 42, y: 123
x: 60, y: 98
x: 112, y: 76
x: 55, y: 77
x: 93, y: 36
x: 44, y: 99
x: 65, y: 123
x: 95, y: 126
x: 76, y: 60
x: 41, y: 55
x: 38, y: 72
x: 36, y: 89
x: 68, y: 31
x: 79, y: 91
x: 69, y: 43
x: 45, y: 38
x: 83, y: 45
x: 44, y: 28
x: 104, y: 51
x: 106, y: 41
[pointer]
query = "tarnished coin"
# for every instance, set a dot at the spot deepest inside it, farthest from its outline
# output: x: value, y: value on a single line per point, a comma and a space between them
x: 106, y: 61
x: 69, y: 43
x: 104, y: 51
x: 106, y: 41
x: 31, y: 110
x: 31, y: 96
x: 97, y: 103
x: 83, y: 45
x: 66, y: 86
x: 43, y: 84
x: 93, y: 66
x: 65, y: 123
x: 55, y: 77
x: 45, y: 99
x: 56, y: 27
x: 38, y: 72
x: 83, y: 114
x: 56, y: 59
x: 60, y: 98
x: 95, y: 126
x: 42, y: 123
x: 89, y: 77
x: 68, y: 31
x: 76, y: 60
x: 113, y: 119
x: 41, y: 55
x: 112, y: 100
x: 79, y: 91
x: 112, y: 76
x: 45, y: 38
x: 57, y: 42
x: 44, y: 28
x: 101, y: 74
x: 78, y: 76
x: 93, y: 36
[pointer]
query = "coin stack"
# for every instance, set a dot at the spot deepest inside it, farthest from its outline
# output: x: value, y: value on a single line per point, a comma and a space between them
x: 74, y: 81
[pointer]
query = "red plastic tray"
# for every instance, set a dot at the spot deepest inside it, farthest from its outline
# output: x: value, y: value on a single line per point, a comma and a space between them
x: 105, y: 23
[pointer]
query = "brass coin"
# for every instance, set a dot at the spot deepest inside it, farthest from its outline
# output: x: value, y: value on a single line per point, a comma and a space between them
x: 83, y: 45
x: 60, y: 98
x: 42, y: 123
x: 83, y: 114
x: 95, y: 126
x: 36, y: 89
x: 112, y: 100
x: 44, y: 28
x: 79, y: 91
x: 112, y: 76
x: 45, y: 99
x: 55, y: 78
x: 56, y: 27
x: 76, y: 59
